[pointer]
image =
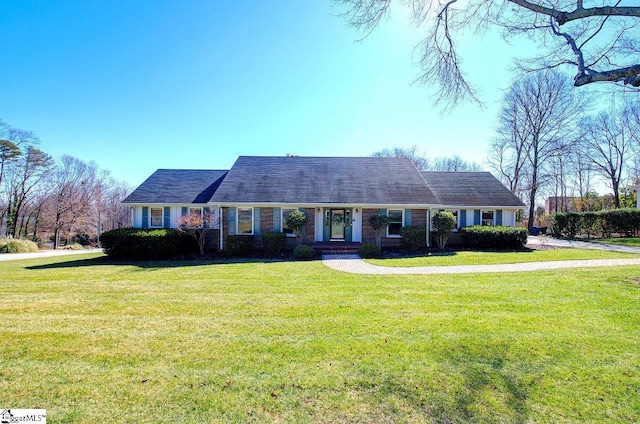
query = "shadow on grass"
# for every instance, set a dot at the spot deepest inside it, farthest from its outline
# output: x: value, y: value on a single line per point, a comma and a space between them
x: 152, y: 264
x: 487, y: 380
x: 451, y: 253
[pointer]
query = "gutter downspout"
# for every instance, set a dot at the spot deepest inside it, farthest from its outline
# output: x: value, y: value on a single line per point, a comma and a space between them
x: 220, y: 229
x: 429, y: 227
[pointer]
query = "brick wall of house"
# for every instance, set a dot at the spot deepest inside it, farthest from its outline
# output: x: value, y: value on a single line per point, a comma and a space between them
x: 310, y: 230
x: 266, y: 225
x: 368, y: 236
x: 419, y: 217
x: 266, y: 220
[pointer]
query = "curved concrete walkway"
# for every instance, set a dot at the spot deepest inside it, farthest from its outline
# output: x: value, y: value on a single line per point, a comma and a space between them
x: 355, y: 265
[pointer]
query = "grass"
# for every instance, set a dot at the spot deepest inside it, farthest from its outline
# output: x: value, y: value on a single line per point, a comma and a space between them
x: 623, y: 241
x: 296, y: 342
x: 506, y: 257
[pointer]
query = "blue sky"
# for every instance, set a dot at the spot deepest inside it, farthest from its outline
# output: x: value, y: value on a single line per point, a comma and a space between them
x: 143, y: 85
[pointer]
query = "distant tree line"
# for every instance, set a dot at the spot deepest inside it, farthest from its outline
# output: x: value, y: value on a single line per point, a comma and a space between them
x: 550, y: 144
x: 59, y: 201
x: 424, y: 163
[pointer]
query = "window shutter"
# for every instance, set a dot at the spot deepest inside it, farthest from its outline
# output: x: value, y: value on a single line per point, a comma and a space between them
x: 408, y: 217
x: 256, y: 221
x: 167, y: 217
x: 383, y: 212
x: 232, y: 221
x: 184, y: 211
x: 304, y: 230
x: 277, y: 223
x: 462, y: 218
x: 476, y: 217
x: 499, y: 217
x: 145, y: 217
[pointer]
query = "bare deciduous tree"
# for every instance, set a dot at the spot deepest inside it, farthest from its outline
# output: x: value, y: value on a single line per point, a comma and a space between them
x: 411, y: 153
x: 197, y: 224
x: 454, y: 164
x: 546, y: 111
x: 597, y: 38
x: 608, y: 141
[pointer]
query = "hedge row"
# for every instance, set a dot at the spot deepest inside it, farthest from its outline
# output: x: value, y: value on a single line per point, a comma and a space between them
x: 604, y: 223
x: 498, y: 237
x: 144, y: 243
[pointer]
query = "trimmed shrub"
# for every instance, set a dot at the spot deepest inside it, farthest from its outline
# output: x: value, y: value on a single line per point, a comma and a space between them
x: 443, y: 224
x: 145, y: 243
x: 238, y: 245
x: 414, y: 237
x: 297, y: 221
x: 499, y: 237
x: 273, y: 243
x: 369, y: 250
x: 378, y: 223
x: 591, y: 223
x: 17, y: 246
x: 304, y: 253
x: 621, y: 221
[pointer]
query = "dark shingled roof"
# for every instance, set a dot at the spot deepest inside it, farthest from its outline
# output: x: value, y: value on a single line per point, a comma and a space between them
x: 177, y: 186
x: 384, y: 181
x: 469, y: 189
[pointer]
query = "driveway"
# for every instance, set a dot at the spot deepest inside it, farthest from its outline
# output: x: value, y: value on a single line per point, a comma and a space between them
x: 353, y: 264
x: 550, y: 241
x: 45, y: 254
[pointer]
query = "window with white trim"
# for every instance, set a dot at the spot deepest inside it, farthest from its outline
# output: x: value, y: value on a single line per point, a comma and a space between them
x: 155, y: 217
x: 245, y: 220
x: 455, y: 214
x: 488, y: 217
x: 396, y: 220
x: 285, y: 215
x: 195, y: 217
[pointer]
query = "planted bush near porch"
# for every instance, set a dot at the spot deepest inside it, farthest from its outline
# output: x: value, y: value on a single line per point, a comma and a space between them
x: 238, y: 245
x: 369, y: 251
x: 273, y: 243
x: 414, y: 237
x: 304, y: 253
x: 499, y: 237
x: 145, y: 243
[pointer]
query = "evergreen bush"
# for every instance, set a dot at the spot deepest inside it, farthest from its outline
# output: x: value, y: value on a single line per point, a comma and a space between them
x: 273, y: 243
x: 414, y: 237
x: 146, y: 243
x: 490, y: 237
x: 304, y: 253
x: 369, y: 250
x: 238, y: 245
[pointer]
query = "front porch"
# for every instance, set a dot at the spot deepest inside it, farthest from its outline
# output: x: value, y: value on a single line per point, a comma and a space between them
x: 336, y: 247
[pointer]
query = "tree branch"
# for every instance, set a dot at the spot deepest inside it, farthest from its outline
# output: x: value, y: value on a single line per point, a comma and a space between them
x: 629, y: 75
x: 562, y: 17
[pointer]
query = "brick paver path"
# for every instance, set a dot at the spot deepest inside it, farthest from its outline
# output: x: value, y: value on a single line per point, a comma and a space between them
x: 354, y: 265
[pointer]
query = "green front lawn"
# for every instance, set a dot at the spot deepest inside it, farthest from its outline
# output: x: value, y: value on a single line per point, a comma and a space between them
x: 296, y: 342
x: 487, y: 258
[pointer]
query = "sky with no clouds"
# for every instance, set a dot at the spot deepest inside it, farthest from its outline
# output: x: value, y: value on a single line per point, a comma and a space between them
x: 141, y: 85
